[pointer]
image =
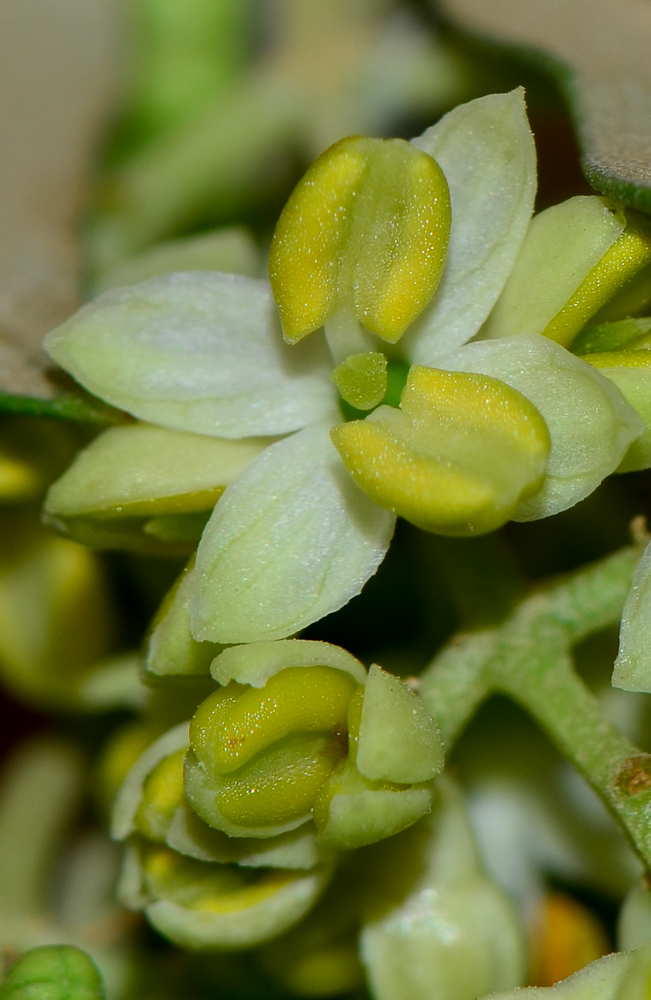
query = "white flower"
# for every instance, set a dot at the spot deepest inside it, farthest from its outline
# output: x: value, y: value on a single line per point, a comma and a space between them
x: 293, y: 538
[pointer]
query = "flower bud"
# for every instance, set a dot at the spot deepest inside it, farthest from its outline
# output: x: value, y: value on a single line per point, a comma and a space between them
x: 457, y: 458
x: 199, y: 905
x: 53, y: 972
x: 56, y: 616
x: 198, y: 887
x: 365, y: 232
x: 146, y: 488
x: 309, y: 741
x: 435, y: 925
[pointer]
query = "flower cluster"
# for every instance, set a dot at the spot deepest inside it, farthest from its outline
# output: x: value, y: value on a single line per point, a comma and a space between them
x: 424, y: 349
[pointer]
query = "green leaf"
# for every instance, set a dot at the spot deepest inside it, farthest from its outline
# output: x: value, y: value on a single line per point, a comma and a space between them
x: 57, y: 972
x: 65, y: 406
x: 597, y: 53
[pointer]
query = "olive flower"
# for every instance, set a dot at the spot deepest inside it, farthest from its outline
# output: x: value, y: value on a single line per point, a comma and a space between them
x: 234, y: 820
x: 513, y: 427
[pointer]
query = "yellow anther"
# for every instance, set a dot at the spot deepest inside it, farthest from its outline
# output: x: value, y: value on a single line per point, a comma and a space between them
x: 279, y: 786
x: 365, y: 231
x: 267, y: 751
x: 615, y: 274
x: 214, y: 888
x: 232, y: 726
x: 162, y: 795
x: 457, y: 458
x: 362, y: 379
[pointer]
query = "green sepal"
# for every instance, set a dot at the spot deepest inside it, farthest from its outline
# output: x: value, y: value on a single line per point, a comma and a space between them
x: 114, y: 534
x: 78, y: 408
x: 188, y: 834
x: 129, y: 797
x: 54, y: 972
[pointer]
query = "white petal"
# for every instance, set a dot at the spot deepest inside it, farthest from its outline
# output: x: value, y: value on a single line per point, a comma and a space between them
x: 234, y: 929
x: 136, y: 468
x: 486, y: 151
x: 197, y: 351
x: 290, y: 541
x: 590, y: 426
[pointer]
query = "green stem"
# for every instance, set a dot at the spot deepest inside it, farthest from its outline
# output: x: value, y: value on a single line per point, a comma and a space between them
x: 528, y: 658
x: 538, y: 674
x: 454, y: 685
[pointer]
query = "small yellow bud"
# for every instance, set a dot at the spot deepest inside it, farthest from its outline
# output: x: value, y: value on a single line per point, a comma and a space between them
x: 162, y: 796
x: 365, y: 231
x: 212, y: 888
x: 566, y: 937
x: 458, y: 456
x: 362, y: 379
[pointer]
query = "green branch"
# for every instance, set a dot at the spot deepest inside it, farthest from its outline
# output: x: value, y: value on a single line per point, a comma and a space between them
x: 528, y: 658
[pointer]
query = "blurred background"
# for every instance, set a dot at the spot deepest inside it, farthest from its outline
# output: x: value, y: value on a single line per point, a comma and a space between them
x: 141, y: 136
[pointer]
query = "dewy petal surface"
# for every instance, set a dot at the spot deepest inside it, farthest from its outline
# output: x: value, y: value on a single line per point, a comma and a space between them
x: 290, y: 541
x: 486, y: 151
x: 590, y: 425
x: 196, y: 351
